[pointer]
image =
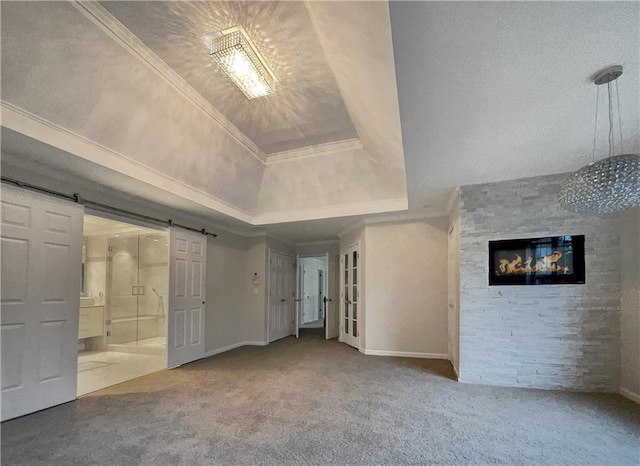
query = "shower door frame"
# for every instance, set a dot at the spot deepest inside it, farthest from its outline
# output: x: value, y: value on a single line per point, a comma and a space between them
x: 142, y: 224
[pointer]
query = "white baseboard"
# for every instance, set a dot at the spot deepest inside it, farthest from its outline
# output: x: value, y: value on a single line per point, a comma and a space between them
x: 405, y: 354
x: 234, y: 346
x: 224, y: 349
x: 629, y: 394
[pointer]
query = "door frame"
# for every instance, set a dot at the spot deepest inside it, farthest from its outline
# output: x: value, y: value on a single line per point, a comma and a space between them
x: 331, y: 295
x: 341, y: 332
x: 298, y: 287
x: 268, y: 287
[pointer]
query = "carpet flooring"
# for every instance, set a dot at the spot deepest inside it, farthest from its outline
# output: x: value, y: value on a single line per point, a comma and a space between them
x: 311, y: 401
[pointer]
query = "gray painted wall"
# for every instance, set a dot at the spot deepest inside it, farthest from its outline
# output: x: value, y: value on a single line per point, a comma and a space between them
x: 553, y: 336
x: 226, y: 291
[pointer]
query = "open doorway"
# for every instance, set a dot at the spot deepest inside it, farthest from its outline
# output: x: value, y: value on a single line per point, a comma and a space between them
x: 122, y: 331
x: 312, y: 291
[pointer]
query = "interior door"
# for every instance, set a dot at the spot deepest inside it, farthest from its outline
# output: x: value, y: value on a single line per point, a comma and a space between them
x: 280, y: 295
x: 331, y: 302
x: 187, y: 283
x: 309, y: 292
x: 40, y: 300
x: 320, y: 303
x: 298, y: 296
x: 349, y: 331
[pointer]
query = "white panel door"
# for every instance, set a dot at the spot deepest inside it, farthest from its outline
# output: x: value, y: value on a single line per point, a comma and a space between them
x: 332, y: 321
x: 350, y: 294
x: 40, y: 300
x: 187, y: 283
x: 297, y: 309
x: 281, y: 295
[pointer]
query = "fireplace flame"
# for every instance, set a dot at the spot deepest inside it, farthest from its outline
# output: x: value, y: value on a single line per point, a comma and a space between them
x: 546, y: 264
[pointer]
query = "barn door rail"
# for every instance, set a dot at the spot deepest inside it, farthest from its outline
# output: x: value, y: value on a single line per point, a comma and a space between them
x: 75, y: 197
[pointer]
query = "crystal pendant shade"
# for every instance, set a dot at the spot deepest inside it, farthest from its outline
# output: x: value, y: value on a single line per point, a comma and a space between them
x: 239, y: 58
x: 608, y: 185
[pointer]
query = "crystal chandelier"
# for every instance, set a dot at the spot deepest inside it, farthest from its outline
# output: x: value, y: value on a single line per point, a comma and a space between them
x: 239, y: 58
x: 608, y: 185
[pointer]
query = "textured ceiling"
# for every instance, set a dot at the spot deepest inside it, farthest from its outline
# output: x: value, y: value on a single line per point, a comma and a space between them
x: 307, y: 108
x: 493, y: 91
x: 488, y: 91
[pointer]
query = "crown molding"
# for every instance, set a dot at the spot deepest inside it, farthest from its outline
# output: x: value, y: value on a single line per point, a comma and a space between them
x: 402, y: 217
x: 113, y: 28
x: 351, y: 229
x: 328, y: 242
x: 314, y: 151
x: 281, y: 239
x: 345, y: 210
x: 38, y: 128
x: 398, y: 217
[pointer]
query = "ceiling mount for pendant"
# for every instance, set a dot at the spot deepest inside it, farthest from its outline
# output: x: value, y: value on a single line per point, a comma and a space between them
x: 607, y: 75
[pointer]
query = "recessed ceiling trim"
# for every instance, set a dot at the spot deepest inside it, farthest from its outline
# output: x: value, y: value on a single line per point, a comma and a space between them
x: 345, y: 210
x: 38, y: 128
x: 326, y: 242
x: 314, y: 151
x: 130, y: 42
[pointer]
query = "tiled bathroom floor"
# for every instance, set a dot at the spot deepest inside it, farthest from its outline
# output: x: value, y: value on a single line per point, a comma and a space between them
x: 101, y: 369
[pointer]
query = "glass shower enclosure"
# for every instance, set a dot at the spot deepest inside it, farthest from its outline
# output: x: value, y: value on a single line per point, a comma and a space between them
x: 137, y: 287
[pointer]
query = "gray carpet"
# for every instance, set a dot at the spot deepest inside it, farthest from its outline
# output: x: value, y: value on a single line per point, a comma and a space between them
x: 316, y: 402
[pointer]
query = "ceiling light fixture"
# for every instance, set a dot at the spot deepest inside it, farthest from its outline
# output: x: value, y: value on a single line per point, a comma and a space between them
x: 239, y: 58
x: 610, y: 184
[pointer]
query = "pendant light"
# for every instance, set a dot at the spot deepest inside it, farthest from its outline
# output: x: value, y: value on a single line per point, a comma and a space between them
x: 610, y: 184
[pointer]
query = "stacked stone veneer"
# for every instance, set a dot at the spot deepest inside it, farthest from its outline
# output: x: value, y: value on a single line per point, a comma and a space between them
x: 545, y: 336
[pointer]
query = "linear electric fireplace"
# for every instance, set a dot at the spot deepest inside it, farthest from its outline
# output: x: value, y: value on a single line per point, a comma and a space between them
x: 553, y: 260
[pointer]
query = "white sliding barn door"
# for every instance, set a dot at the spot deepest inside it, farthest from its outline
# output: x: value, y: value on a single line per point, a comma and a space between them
x: 187, y: 283
x: 281, y: 295
x: 40, y: 300
x: 332, y: 321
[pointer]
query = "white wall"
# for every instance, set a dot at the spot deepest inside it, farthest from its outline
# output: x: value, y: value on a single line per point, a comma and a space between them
x: 318, y: 248
x: 406, y: 287
x: 630, y: 315
x: 453, y: 292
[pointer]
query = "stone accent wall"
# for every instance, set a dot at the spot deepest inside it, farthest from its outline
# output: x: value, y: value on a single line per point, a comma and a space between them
x: 545, y: 336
